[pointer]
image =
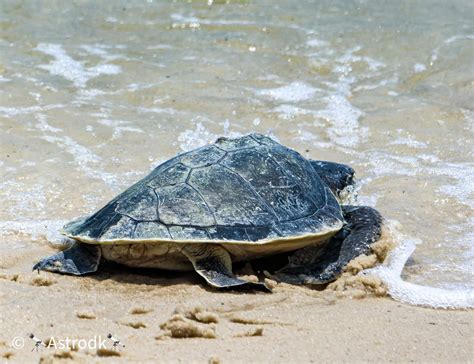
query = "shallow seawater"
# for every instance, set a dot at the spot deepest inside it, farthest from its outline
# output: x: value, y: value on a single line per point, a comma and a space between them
x: 93, y: 95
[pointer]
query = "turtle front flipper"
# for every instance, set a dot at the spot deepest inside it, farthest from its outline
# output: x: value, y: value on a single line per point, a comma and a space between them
x: 319, y: 265
x: 214, y: 264
x: 77, y: 260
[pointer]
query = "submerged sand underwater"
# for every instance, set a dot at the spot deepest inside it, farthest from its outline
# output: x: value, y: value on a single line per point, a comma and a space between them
x: 93, y: 95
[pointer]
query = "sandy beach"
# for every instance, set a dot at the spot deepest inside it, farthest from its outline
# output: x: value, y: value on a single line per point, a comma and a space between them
x: 153, y: 312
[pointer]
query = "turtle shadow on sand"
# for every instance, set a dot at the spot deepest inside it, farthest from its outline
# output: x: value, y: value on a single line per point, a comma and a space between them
x: 149, y: 276
x: 259, y: 268
x: 158, y: 277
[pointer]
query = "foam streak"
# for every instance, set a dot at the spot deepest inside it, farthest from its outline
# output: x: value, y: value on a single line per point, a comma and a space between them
x: 415, y: 294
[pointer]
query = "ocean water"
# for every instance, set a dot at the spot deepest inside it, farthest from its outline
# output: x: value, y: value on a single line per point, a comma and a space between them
x: 93, y: 95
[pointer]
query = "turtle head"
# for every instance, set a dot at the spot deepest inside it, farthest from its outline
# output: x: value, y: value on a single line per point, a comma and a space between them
x: 338, y: 177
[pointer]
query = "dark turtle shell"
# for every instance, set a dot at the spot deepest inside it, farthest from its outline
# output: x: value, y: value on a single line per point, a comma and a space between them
x: 245, y: 189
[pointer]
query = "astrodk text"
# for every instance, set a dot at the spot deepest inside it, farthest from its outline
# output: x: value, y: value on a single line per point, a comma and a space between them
x: 97, y: 342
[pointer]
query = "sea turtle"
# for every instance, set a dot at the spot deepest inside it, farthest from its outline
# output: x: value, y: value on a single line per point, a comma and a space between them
x: 235, y: 200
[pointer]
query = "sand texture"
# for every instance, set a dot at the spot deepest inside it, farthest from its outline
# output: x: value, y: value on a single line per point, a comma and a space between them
x: 170, y: 317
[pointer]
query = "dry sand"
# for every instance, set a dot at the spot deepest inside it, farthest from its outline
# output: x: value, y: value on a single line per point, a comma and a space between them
x: 174, y: 317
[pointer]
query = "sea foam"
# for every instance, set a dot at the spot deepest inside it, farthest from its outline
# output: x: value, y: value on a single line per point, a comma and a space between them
x: 65, y: 66
x: 411, y: 293
x: 37, y: 230
x: 293, y: 92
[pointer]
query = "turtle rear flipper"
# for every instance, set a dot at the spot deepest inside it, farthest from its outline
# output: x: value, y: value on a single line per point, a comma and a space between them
x: 316, y: 265
x: 213, y: 263
x: 77, y: 260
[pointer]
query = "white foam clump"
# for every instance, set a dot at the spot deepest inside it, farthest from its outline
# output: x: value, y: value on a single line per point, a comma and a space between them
x: 158, y: 110
x: 316, y: 43
x: 191, y: 139
x: 408, y: 141
x: 119, y: 127
x: 82, y: 157
x: 72, y: 70
x: 181, y: 19
x: 462, y: 175
x: 4, y: 79
x: 344, y: 118
x: 43, y: 125
x: 81, y: 154
x: 415, y: 294
x: 293, y: 92
x: 286, y: 111
x: 200, y: 136
x: 160, y: 46
x: 419, y: 67
x: 102, y: 50
x: 14, y: 111
x: 37, y: 230
x: 455, y: 38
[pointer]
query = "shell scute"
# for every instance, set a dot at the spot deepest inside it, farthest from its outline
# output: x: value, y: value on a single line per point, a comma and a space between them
x: 182, y: 205
x: 171, y: 176
x: 140, y: 205
x: 282, y: 193
x: 202, y: 157
x: 123, y: 229
x: 151, y: 230
x: 230, y: 144
x: 244, y: 189
x: 230, y: 197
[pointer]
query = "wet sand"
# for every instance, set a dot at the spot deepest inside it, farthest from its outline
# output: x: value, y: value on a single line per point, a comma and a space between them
x: 141, y: 308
